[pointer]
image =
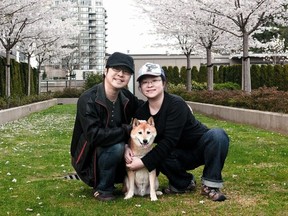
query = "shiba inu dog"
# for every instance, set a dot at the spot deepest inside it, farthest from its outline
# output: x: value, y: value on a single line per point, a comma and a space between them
x: 142, y: 182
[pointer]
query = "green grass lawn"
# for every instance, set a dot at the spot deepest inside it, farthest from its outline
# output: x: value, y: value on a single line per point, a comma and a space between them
x: 34, y: 157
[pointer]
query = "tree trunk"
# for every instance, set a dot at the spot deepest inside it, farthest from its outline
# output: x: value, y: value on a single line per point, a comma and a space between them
x: 70, y: 77
x: 29, y: 77
x: 189, y: 83
x: 8, y: 77
x: 209, y: 69
x: 246, y: 77
x: 39, y: 78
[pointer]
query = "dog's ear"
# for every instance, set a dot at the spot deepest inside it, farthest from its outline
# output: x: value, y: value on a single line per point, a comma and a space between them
x: 151, y: 121
x: 135, y: 122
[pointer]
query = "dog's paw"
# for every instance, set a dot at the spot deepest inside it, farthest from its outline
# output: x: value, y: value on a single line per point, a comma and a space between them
x: 128, y: 196
x: 159, y: 193
x: 153, y: 198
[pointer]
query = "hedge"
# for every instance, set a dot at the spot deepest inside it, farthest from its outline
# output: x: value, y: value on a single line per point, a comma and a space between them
x: 261, y: 75
x: 19, y: 78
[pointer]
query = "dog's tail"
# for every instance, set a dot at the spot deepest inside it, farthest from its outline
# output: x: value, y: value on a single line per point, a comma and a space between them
x: 72, y: 176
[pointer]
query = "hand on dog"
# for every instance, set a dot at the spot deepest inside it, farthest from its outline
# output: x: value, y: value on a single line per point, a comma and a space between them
x: 135, y: 164
x: 128, y: 155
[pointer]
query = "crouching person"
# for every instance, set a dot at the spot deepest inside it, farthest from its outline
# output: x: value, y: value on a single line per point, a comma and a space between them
x: 102, y: 128
x: 183, y: 142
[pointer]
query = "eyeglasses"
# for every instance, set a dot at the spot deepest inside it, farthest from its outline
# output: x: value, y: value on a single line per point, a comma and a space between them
x: 124, y: 70
x: 153, y: 82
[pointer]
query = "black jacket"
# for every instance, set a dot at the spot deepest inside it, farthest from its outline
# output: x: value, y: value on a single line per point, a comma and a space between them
x: 91, y: 129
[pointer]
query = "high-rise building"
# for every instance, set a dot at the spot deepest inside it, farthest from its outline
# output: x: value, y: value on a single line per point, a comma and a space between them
x: 90, y: 57
x: 92, y: 39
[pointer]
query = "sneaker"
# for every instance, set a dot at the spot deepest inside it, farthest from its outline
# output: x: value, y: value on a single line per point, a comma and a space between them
x: 172, y: 190
x: 103, y: 197
x: 212, y: 193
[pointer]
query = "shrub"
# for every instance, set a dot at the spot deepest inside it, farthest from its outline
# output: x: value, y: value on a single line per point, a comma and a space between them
x: 174, y: 87
x: 15, y: 101
x: 92, y: 79
x: 180, y: 88
x: 227, y: 86
x: 3, y: 103
x: 68, y: 93
x: 265, y: 99
x: 198, y: 86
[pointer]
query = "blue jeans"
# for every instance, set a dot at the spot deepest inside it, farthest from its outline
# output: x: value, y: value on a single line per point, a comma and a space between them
x: 110, y: 166
x: 211, y: 151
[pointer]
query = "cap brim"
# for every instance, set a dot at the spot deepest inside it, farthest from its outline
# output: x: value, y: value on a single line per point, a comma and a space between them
x: 147, y: 75
x: 121, y: 64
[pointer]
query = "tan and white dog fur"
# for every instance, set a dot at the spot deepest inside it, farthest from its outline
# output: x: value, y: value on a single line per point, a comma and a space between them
x: 142, y: 182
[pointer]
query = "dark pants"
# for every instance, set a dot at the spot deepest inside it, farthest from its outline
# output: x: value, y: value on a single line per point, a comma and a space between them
x: 211, y: 152
x: 110, y: 167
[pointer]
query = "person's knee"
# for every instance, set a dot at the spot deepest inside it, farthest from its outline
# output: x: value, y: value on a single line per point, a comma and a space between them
x: 118, y: 150
x: 111, y: 156
x: 219, y: 136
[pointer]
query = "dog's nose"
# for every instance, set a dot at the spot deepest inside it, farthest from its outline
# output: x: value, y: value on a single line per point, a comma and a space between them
x: 145, y: 141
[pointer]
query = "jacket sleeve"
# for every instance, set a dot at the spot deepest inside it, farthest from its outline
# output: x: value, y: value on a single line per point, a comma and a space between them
x: 172, y: 121
x: 94, y: 131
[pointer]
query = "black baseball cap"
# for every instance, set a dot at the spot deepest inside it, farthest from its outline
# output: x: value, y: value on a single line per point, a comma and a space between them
x: 121, y: 59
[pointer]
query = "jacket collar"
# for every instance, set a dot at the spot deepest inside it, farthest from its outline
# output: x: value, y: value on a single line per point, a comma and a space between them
x: 101, y: 96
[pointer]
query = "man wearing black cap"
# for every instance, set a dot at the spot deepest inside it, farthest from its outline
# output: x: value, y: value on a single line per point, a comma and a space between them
x: 102, y: 127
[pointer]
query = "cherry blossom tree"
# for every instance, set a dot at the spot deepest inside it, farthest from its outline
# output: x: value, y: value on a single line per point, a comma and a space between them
x: 185, y: 41
x: 242, y: 18
x: 71, y: 61
x: 32, y: 24
x: 211, y: 39
x: 274, y: 51
x: 177, y: 35
x: 59, y: 28
x: 15, y: 16
x: 209, y: 20
x: 45, y: 50
x: 185, y: 21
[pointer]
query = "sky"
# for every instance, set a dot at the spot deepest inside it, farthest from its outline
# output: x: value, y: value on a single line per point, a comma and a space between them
x: 128, y: 29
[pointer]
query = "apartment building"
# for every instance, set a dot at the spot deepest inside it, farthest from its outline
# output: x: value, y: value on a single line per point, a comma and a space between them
x: 92, y: 39
x: 91, y: 42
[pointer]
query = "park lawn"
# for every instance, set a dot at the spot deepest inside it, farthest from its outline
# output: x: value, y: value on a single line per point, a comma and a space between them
x: 35, y: 156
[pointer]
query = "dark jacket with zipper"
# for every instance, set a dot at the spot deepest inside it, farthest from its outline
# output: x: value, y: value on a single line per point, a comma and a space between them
x: 91, y: 129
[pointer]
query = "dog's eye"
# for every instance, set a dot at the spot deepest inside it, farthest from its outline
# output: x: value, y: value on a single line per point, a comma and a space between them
x: 148, y: 132
x: 139, y: 132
